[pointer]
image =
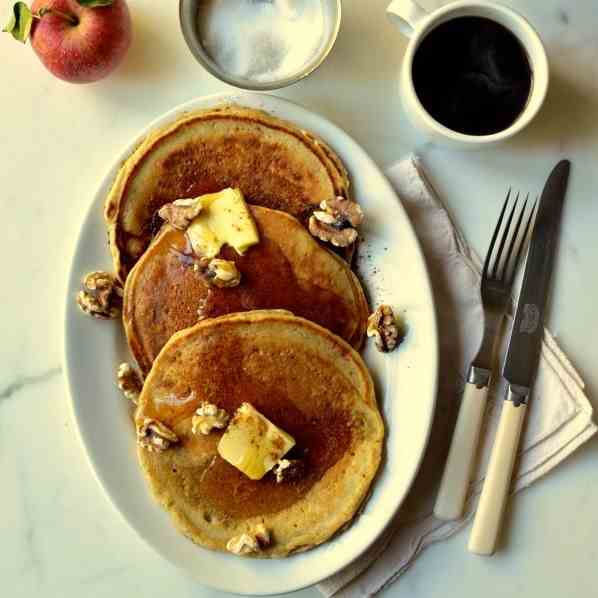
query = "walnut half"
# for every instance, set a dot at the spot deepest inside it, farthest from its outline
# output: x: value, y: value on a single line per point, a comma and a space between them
x: 207, y: 417
x: 217, y: 272
x: 129, y: 382
x: 223, y: 273
x: 155, y: 436
x: 383, y: 326
x: 101, y: 296
x: 251, y: 543
x: 180, y: 212
x: 344, y: 211
x: 335, y: 222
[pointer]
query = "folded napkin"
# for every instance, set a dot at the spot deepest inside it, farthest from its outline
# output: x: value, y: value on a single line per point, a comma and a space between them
x: 559, y: 417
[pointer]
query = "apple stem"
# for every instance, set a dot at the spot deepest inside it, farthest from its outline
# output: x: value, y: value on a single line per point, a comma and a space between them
x: 72, y: 19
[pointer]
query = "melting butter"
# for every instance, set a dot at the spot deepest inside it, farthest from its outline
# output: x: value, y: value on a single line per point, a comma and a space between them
x: 224, y: 219
x: 252, y: 443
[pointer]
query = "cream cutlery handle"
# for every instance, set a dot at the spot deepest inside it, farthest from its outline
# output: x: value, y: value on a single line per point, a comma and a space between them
x: 461, y: 457
x: 495, y: 492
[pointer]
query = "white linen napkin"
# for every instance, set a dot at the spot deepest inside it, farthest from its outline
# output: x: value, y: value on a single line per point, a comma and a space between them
x: 559, y: 416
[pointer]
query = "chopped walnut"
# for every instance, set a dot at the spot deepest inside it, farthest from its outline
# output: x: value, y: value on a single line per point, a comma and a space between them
x: 207, y: 417
x: 101, y: 296
x: 383, y: 326
x: 336, y: 221
x: 243, y: 544
x: 180, y: 212
x: 249, y: 543
x: 287, y: 470
x: 155, y: 436
x: 202, y: 306
x: 129, y: 382
x: 223, y: 273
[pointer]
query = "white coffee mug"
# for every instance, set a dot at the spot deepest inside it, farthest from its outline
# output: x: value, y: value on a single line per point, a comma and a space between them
x: 416, y: 23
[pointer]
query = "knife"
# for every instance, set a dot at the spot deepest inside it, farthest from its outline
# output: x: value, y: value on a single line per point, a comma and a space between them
x: 521, y: 361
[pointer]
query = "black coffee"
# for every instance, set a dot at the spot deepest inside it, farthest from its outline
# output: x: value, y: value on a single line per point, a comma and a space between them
x: 472, y: 75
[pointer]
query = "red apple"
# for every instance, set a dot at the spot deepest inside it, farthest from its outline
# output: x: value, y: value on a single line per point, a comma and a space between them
x: 85, y: 47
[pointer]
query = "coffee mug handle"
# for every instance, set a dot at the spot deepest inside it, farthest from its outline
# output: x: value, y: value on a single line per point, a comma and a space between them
x: 407, y: 14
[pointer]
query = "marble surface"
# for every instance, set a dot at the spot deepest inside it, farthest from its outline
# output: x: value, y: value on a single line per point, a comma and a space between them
x: 59, y: 536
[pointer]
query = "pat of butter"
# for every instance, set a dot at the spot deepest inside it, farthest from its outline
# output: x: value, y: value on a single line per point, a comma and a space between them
x: 224, y: 219
x: 252, y: 443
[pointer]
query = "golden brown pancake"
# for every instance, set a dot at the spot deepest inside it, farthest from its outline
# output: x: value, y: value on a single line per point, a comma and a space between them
x: 274, y: 163
x: 287, y: 269
x: 307, y: 381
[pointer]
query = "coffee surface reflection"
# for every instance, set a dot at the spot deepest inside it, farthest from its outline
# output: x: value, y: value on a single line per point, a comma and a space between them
x: 472, y: 75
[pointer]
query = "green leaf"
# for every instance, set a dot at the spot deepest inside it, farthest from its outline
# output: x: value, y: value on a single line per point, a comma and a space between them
x: 93, y: 3
x: 19, y: 25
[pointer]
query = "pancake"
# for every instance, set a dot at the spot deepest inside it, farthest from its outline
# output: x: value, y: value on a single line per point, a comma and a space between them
x: 307, y: 381
x: 274, y: 163
x: 287, y: 269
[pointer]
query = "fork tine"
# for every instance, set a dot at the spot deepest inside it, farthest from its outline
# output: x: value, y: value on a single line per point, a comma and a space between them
x: 523, y: 241
x: 494, y: 235
x: 514, y: 239
x: 503, y: 239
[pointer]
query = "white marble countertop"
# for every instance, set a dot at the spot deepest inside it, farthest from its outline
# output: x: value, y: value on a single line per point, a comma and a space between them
x: 59, y: 535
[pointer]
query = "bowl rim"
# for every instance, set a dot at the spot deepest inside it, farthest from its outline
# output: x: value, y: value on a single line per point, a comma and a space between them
x: 195, y: 47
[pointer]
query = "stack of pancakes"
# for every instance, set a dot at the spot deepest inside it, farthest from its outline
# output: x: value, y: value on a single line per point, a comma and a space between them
x: 284, y: 340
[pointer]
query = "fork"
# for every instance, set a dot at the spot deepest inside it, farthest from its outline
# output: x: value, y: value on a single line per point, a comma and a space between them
x: 497, y: 281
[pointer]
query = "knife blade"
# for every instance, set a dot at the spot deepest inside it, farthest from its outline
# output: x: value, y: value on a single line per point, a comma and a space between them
x: 526, y: 335
x: 521, y: 362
